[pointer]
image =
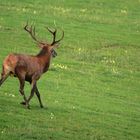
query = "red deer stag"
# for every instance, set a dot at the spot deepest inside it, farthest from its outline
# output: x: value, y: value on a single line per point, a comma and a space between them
x: 30, y: 68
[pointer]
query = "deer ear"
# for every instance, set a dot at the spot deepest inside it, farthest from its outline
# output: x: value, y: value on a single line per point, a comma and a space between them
x: 56, y: 45
x: 40, y: 45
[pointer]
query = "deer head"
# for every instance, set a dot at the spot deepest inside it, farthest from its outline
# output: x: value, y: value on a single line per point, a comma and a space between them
x: 45, y: 46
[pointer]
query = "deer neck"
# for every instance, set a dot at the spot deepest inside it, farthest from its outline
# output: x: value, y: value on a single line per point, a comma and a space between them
x: 45, y: 61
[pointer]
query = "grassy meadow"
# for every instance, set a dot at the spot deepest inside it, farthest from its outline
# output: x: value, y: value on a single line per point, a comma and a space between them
x: 92, y: 90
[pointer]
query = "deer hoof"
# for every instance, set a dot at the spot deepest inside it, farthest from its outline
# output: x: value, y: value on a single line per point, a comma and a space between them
x: 23, y: 103
x: 41, y: 106
x: 28, y: 106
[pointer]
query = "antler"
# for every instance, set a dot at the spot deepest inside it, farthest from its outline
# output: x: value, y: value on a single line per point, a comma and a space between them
x: 54, y: 36
x: 31, y: 31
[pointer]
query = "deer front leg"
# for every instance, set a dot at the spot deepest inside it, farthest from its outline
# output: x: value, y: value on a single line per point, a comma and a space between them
x: 38, y: 96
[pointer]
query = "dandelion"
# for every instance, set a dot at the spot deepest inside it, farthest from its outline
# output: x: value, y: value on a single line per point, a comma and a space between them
x: 60, y: 66
x: 79, y: 49
x: 61, y: 9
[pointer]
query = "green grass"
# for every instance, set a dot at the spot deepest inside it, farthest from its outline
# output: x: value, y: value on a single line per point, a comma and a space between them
x: 92, y: 89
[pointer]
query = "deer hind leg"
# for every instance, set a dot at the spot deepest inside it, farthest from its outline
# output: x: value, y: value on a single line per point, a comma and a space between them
x: 38, y: 96
x: 33, y: 84
x: 3, y: 78
x: 21, y: 90
x: 21, y: 76
x: 4, y: 75
x: 35, y: 77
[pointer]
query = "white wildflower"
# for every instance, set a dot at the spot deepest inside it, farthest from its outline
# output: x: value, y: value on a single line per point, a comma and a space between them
x: 24, y: 10
x: 115, y: 71
x: 73, y: 107
x: 18, y: 9
x: 123, y: 11
x: 34, y: 12
x: 56, y: 101
x: 83, y: 10
x: 11, y: 95
x: 52, y: 116
x: 113, y: 61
